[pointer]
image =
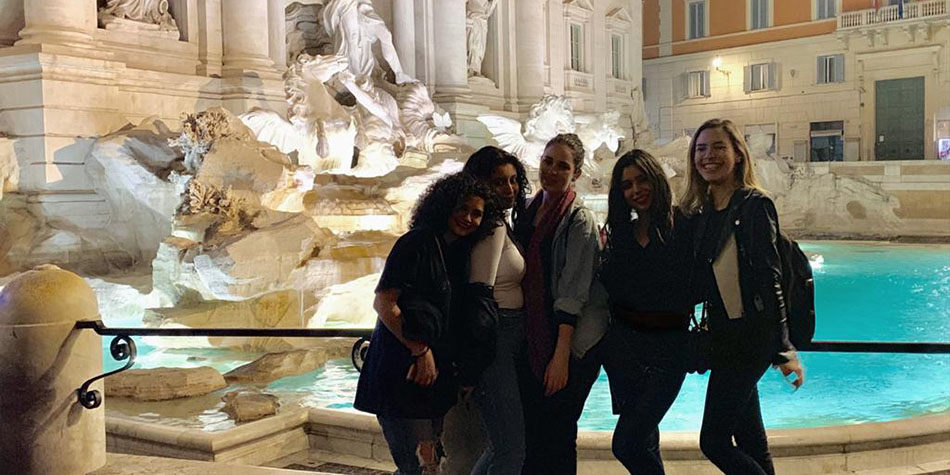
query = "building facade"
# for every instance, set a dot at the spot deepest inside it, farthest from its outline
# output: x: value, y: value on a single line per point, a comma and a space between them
x: 823, y: 80
x: 70, y: 72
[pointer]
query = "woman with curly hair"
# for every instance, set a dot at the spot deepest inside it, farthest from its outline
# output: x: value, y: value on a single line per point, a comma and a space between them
x: 561, y: 361
x: 407, y: 378
x: 497, y: 267
x: 645, y: 272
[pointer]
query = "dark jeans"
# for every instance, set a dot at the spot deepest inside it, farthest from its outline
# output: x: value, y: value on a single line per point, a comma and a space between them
x: 646, y: 374
x: 403, y: 437
x: 551, y: 422
x: 732, y: 410
x: 499, y: 400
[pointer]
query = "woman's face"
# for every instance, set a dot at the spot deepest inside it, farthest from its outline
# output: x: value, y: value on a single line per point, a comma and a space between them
x: 637, y: 189
x: 715, y: 158
x: 557, y: 171
x: 467, y: 216
x: 504, y: 182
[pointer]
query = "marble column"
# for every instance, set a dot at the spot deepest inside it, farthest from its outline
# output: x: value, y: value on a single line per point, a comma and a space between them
x: 277, y: 44
x: 246, y: 37
x: 404, y: 34
x: 451, y: 68
x: 529, y: 15
x: 62, y: 22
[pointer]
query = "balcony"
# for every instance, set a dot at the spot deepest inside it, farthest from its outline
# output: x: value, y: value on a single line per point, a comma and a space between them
x: 929, y: 9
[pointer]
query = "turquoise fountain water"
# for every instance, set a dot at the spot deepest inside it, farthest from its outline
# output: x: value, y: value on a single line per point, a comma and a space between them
x: 864, y: 291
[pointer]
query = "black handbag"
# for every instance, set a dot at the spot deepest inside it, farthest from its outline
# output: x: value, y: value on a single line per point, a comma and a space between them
x: 699, y: 345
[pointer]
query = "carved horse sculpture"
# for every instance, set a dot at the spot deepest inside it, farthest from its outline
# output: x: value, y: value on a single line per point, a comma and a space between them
x: 552, y: 116
x: 320, y: 130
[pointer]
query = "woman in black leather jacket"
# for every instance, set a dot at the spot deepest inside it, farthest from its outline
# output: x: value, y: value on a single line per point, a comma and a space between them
x: 737, y: 276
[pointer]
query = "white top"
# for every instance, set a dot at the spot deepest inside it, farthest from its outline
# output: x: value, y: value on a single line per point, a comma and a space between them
x: 497, y: 261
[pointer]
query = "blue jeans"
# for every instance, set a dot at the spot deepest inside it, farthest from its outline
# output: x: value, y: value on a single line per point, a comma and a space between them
x: 499, y: 400
x: 403, y: 437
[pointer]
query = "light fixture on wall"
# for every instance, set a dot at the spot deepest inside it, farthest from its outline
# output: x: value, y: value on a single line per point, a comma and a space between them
x: 717, y: 63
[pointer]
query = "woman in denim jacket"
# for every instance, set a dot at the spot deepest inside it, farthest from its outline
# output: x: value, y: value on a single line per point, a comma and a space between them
x: 560, y: 361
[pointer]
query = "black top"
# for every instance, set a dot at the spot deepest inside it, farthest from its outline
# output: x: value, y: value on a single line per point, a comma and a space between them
x: 650, y: 279
x: 415, y: 267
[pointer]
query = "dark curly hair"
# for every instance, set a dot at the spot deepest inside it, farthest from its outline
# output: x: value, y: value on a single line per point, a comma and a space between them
x: 573, y: 142
x: 661, y: 206
x: 483, y: 163
x: 445, y: 195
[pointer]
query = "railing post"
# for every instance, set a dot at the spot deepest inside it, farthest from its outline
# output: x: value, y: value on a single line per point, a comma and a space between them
x: 45, y: 359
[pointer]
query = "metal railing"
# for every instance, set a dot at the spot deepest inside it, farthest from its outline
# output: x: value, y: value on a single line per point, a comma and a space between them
x: 123, y: 347
x: 893, y: 13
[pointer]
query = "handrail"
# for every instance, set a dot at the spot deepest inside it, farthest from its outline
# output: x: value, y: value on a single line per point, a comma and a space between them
x: 877, y: 347
x: 123, y: 347
x: 101, y: 329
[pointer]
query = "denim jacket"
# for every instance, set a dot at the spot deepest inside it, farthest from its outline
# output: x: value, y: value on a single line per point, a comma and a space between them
x: 576, y: 293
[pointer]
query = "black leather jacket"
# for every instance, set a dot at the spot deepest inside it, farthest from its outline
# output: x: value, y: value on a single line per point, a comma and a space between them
x: 753, y: 218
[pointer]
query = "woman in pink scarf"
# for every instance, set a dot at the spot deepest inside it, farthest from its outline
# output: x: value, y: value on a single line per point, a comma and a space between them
x: 560, y: 362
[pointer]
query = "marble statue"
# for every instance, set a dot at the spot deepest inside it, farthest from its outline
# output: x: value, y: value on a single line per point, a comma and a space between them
x: 355, y: 28
x: 552, y: 116
x: 9, y: 168
x: 331, y: 134
x: 319, y: 130
x: 477, y: 13
x: 142, y: 16
x: 598, y: 130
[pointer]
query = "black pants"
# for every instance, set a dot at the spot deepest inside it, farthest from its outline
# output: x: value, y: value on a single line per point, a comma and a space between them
x: 732, y: 411
x: 646, y: 373
x: 551, y: 422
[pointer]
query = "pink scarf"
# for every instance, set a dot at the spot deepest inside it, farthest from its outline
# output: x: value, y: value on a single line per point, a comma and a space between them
x: 541, y: 340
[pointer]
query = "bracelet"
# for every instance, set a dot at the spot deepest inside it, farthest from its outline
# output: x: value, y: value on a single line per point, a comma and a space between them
x: 421, y: 353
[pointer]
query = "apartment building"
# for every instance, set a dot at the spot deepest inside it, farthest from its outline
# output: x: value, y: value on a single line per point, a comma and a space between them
x: 824, y: 80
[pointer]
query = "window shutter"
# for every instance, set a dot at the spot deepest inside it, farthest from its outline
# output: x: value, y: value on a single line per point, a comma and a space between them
x: 747, y: 78
x: 821, y: 70
x: 706, y: 91
x: 775, y: 80
x: 839, y: 68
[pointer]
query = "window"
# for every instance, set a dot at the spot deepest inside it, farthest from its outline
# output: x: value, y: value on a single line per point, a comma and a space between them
x: 697, y: 19
x: 827, y: 144
x: 759, y: 14
x: 825, y: 9
x: 761, y: 77
x: 761, y: 138
x: 830, y: 68
x: 577, y: 46
x: 643, y: 87
x: 616, y: 56
x: 698, y: 84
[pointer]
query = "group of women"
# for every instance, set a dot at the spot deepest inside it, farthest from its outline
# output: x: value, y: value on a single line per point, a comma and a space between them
x: 517, y: 304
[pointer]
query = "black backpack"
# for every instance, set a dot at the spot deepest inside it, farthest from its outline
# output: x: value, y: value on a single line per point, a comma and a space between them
x: 798, y: 288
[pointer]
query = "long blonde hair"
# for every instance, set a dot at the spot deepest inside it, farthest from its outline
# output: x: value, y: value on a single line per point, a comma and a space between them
x: 696, y: 186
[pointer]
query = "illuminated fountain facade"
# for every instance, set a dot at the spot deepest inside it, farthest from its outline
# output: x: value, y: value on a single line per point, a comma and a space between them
x: 249, y: 163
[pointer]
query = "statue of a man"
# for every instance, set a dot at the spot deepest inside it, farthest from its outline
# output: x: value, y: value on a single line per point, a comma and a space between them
x: 477, y: 12
x: 355, y: 27
x: 154, y: 12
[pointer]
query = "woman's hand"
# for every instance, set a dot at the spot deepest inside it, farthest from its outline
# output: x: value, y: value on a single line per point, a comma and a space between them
x: 423, y: 372
x: 555, y: 376
x: 794, y: 366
